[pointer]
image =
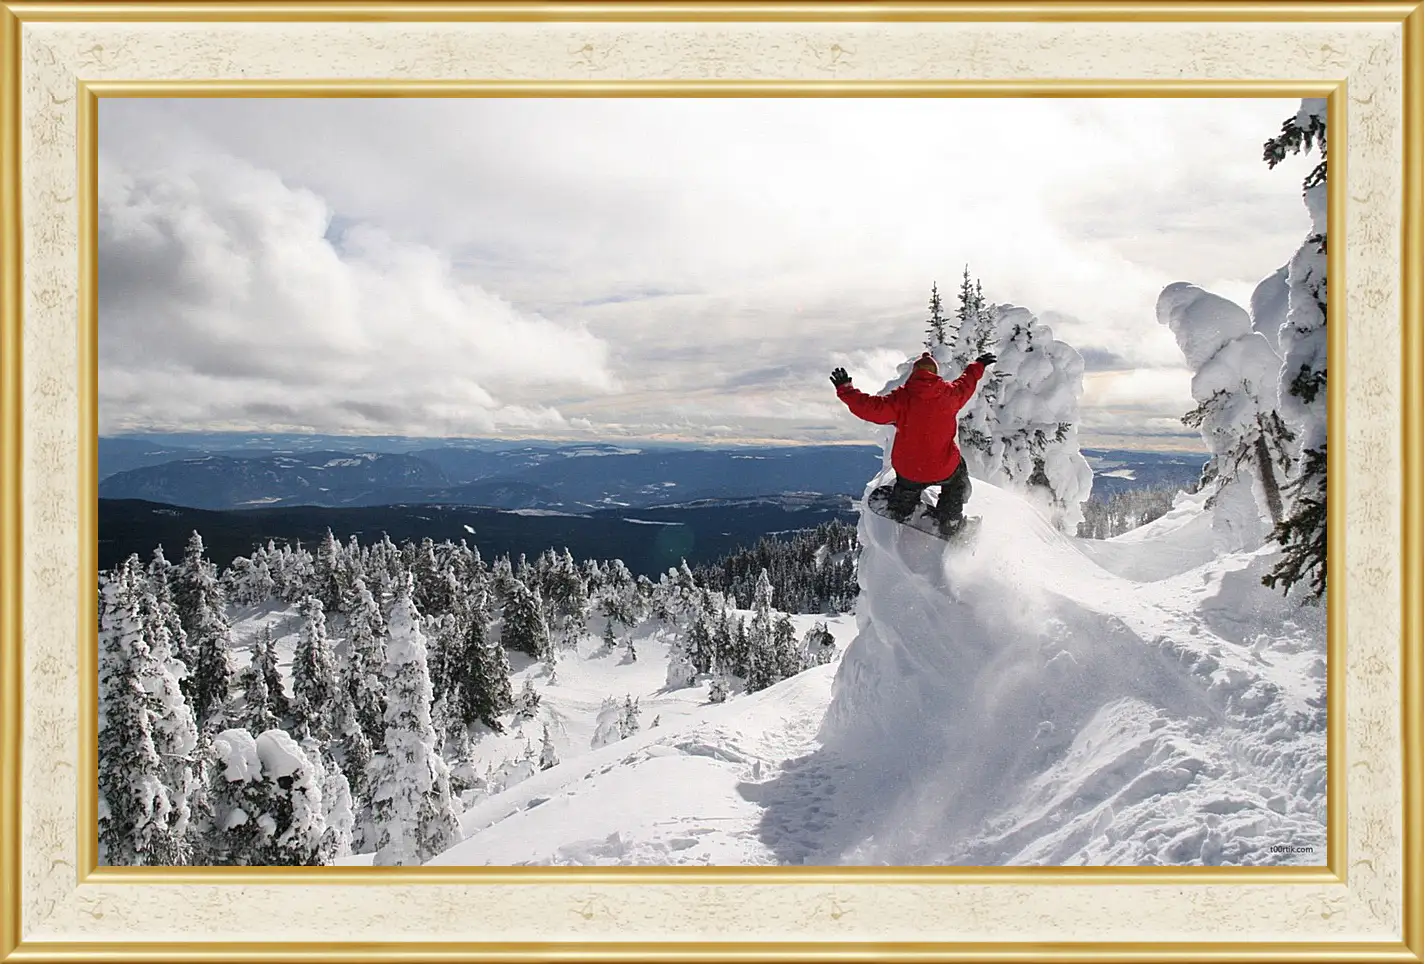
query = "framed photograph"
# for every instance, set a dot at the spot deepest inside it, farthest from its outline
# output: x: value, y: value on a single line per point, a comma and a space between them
x: 701, y: 481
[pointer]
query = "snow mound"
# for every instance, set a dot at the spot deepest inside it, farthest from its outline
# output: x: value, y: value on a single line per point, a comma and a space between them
x: 1015, y: 702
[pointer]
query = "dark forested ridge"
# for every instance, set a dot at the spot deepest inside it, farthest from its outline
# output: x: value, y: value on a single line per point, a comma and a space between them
x: 649, y: 541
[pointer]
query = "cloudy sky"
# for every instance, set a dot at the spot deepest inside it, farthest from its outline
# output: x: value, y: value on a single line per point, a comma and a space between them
x: 651, y: 268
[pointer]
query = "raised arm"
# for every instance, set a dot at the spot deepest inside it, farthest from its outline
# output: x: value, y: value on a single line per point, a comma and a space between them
x: 881, y: 409
x: 963, y: 387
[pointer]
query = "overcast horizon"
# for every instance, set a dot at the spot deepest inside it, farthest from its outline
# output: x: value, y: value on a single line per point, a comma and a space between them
x: 649, y: 269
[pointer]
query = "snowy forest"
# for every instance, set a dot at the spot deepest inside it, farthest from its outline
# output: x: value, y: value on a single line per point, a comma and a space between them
x: 401, y: 665
x: 368, y: 731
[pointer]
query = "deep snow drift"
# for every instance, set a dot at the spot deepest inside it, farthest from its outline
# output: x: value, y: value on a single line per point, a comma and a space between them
x: 1034, y: 702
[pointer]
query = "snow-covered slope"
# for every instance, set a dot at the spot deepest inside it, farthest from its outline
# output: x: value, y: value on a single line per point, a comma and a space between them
x: 1032, y: 699
x: 1022, y: 704
x: 1039, y: 699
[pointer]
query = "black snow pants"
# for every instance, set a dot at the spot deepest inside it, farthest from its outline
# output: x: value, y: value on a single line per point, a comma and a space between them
x: 954, y: 492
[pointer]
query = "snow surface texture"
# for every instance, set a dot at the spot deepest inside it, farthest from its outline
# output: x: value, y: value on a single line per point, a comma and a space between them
x: 1021, y: 704
x: 1035, y: 700
x: 1031, y: 699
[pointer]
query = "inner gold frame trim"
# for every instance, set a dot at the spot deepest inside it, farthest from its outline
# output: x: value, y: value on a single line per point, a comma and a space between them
x: 12, y: 15
x: 91, y: 92
x: 705, y: 11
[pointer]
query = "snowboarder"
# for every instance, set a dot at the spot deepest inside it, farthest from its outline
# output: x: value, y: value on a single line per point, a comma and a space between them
x: 924, y: 412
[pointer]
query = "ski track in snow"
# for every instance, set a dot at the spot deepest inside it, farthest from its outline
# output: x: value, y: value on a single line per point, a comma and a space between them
x: 1035, y: 699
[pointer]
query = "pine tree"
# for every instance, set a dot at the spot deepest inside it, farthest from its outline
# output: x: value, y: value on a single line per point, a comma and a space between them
x: 786, y: 658
x: 161, y: 574
x: 966, y: 315
x: 267, y: 801
x: 630, y: 715
x: 567, y: 598
x: 135, y: 808
x: 314, y: 682
x: 936, y: 327
x: 175, y: 731
x: 337, y: 811
x: 527, y: 703
x: 413, y: 809
x: 203, y: 611
x: 366, y: 662
x: 1234, y: 382
x: 326, y: 583
x: 547, y: 757
x: 526, y: 629
x: 762, y: 669
x: 258, y: 714
x: 357, y: 752
x: 1303, y: 343
x: 717, y: 690
x: 237, y: 799
x: 484, y: 692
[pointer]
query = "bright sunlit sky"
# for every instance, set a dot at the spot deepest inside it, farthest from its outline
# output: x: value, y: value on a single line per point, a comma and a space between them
x: 649, y: 268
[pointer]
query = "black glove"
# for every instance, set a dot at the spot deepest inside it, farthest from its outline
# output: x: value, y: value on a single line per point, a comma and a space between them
x: 986, y: 359
x: 839, y: 377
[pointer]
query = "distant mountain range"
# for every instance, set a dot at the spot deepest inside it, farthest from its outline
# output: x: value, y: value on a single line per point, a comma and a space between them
x: 567, y: 477
x: 238, y: 474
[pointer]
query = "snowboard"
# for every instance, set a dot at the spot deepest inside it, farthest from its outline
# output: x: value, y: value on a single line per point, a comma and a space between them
x: 921, y: 520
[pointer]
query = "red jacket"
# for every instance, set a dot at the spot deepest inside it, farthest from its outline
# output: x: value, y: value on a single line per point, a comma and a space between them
x: 924, y: 411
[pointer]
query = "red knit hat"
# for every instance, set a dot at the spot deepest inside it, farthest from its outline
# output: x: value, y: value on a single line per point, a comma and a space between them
x: 926, y: 361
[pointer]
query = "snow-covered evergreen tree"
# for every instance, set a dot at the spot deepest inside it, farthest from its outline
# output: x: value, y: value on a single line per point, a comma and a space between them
x: 298, y: 810
x: 547, y: 757
x: 762, y: 664
x: 366, y: 661
x: 526, y: 629
x: 786, y: 656
x: 161, y: 575
x: 266, y: 801
x: 201, y: 606
x: 1302, y: 342
x: 1234, y: 383
x: 566, y: 598
x: 326, y: 574
x: 818, y: 646
x: 357, y: 752
x: 717, y: 690
x: 413, y: 808
x: 682, y: 669
x: 1020, y: 429
x: 314, y: 680
x: 527, y: 702
x: 175, y: 731
x: 135, y: 808
x: 619, y: 599
x: 238, y: 800
x: 337, y: 813
x: 484, y: 691
x: 259, y: 712
x: 630, y: 715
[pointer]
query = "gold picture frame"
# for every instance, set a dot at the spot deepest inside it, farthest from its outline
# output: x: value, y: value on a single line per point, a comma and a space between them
x: 59, y: 59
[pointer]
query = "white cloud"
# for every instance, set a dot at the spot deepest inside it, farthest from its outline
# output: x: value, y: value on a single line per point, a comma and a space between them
x: 224, y: 301
x: 610, y: 260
